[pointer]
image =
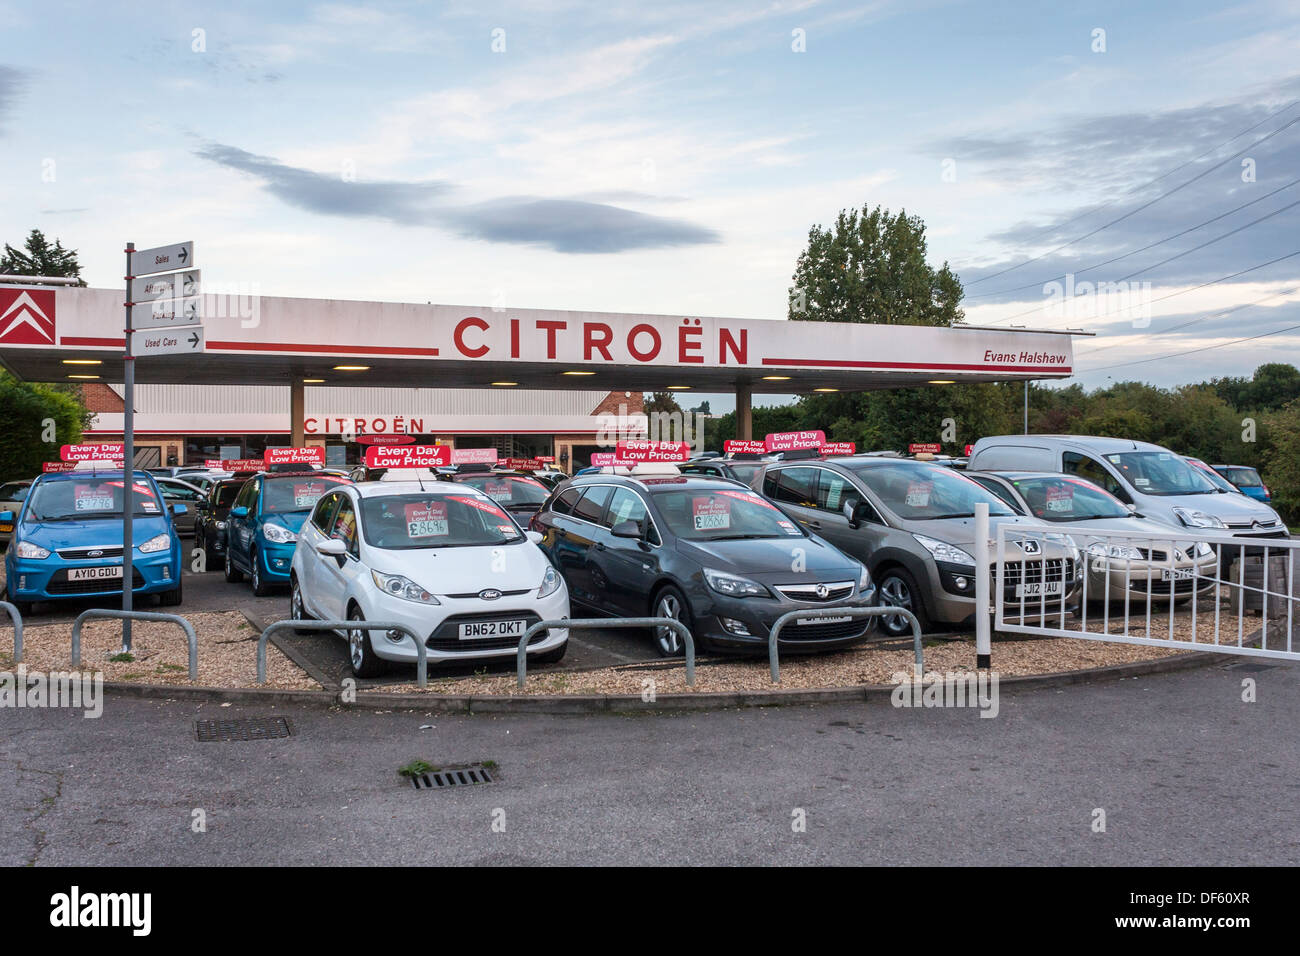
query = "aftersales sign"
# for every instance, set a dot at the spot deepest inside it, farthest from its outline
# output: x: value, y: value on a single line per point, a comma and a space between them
x: 311, y: 455
x: 408, y: 456
x: 104, y: 451
x: 642, y: 450
x: 794, y: 441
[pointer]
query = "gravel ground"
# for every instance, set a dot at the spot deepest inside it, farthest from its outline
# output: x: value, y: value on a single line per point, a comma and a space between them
x: 227, y: 652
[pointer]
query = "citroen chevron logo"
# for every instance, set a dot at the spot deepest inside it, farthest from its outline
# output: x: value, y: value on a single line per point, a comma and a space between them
x: 27, y: 316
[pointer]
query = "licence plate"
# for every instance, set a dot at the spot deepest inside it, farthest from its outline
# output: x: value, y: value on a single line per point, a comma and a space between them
x: 481, y: 629
x: 1038, y: 589
x: 823, y: 620
x: 94, y: 574
x: 1177, y: 574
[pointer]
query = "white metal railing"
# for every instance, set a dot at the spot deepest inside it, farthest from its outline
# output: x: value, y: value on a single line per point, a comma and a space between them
x: 1190, y: 589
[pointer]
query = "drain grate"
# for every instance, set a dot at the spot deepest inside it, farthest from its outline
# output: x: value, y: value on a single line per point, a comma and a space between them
x: 246, y: 728
x: 456, y: 777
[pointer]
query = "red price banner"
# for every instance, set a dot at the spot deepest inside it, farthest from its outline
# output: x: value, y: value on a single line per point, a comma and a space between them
x: 521, y: 464
x: 546, y: 459
x: 213, y: 463
x: 642, y: 450
x: 408, y: 456
x: 744, y: 446
x: 242, y: 464
x: 924, y: 448
x: 106, y: 451
x: 49, y: 467
x: 314, y: 455
x: 473, y: 456
x: 839, y: 448
x: 605, y: 459
x: 794, y: 441
x: 969, y: 449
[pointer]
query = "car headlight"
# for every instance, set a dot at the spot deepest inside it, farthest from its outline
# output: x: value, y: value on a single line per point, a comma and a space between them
x: 733, y: 585
x: 1122, y: 551
x: 159, y: 542
x: 28, y: 550
x: 943, y: 551
x: 550, y: 582
x: 1203, y: 550
x: 403, y: 587
x: 864, y: 579
x: 278, y: 534
x: 1198, y: 519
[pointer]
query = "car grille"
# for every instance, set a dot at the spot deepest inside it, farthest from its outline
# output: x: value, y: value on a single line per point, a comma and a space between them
x: 1033, y: 572
x: 1184, y: 586
x: 1153, y: 555
x: 81, y: 554
x: 835, y: 591
x: 474, y: 594
x: 59, y: 584
x: 447, y: 636
x: 794, y: 632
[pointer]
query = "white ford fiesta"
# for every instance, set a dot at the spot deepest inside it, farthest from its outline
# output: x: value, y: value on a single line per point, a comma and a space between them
x: 443, y: 559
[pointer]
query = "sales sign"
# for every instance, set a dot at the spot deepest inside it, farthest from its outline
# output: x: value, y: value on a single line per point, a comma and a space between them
x: 311, y: 455
x: 642, y: 450
x: 794, y: 441
x: 106, y: 451
x: 408, y: 456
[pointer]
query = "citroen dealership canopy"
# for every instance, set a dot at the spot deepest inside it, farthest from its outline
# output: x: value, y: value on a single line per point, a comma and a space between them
x: 277, y: 341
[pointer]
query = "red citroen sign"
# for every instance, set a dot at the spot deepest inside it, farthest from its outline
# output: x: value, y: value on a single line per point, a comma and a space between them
x: 27, y: 317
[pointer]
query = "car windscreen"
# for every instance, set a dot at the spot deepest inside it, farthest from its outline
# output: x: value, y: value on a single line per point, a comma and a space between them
x: 1243, y: 477
x: 1161, y: 473
x: 227, y: 493
x: 13, y: 491
x: 404, y: 522
x: 745, y: 470
x: 1068, y: 499
x: 722, y: 514
x: 916, y: 491
x: 510, y: 491
x: 88, y: 498
x: 296, y: 492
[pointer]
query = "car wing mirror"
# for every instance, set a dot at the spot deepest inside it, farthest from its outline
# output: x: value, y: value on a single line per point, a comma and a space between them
x: 536, y: 537
x: 626, y: 529
x: 180, y: 509
x: 7, y: 516
x: 240, y: 512
x: 332, y: 547
x: 855, y: 511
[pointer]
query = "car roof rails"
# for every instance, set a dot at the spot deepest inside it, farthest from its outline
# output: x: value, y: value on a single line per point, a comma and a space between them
x: 474, y: 468
x: 798, y: 454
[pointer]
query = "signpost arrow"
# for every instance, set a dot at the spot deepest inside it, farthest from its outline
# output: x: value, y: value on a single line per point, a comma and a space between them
x: 173, y: 341
x: 169, y: 313
x: 146, y: 262
x: 175, y: 285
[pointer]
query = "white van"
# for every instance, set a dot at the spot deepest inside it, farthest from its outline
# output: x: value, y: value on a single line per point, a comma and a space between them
x: 1156, y: 482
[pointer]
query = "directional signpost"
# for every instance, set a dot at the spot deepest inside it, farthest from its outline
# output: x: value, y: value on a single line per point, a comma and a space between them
x: 171, y: 326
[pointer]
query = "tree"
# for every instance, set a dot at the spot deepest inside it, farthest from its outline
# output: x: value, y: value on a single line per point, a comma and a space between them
x: 662, y: 402
x: 41, y: 259
x: 1283, y: 461
x: 29, y: 411
x: 871, y: 267
x: 1272, y: 386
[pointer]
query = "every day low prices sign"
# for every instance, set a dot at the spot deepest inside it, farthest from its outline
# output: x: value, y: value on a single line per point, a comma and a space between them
x: 408, y: 456
x: 794, y: 441
x: 313, y: 455
x: 640, y: 450
x: 104, y: 451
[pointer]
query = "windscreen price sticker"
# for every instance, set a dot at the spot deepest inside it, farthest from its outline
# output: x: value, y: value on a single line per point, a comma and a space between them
x: 1060, y: 498
x: 918, y: 494
x: 427, y: 520
x: 711, y: 514
x: 108, y: 451
x: 314, y: 455
x: 92, y: 498
x: 409, y: 456
x: 642, y: 450
x: 794, y: 441
x: 306, y: 495
x: 500, y: 490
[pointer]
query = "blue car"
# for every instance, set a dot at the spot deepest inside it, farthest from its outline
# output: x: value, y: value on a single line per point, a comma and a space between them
x: 67, y: 540
x: 1247, y: 481
x: 263, y: 523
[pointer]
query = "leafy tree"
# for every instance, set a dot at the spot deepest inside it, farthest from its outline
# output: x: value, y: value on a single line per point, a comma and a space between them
x: 870, y: 266
x: 39, y: 258
x: 27, y: 410
x: 1272, y: 386
x: 662, y: 402
x: 1282, y: 461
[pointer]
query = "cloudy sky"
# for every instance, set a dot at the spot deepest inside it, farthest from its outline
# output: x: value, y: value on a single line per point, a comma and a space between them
x: 670, y: 157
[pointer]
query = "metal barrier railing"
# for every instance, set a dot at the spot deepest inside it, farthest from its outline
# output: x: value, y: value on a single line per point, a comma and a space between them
x: 421, y: 652
x: 1157, y: 588
x: 884, y: 610
x: 18, y: 629
x: 110, y: 614
x: 521, y: 656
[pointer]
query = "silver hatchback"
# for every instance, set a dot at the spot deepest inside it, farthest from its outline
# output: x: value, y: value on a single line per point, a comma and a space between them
x: 913, y: 525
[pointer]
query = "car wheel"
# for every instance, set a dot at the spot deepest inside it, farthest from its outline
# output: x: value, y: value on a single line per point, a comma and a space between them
x: 365, y: 663
x: 297, y: 610
x: 670, y: 602
x: 260, y: 587
x: 171, y: 598
x: 233, y: 574
x: 898, y: 588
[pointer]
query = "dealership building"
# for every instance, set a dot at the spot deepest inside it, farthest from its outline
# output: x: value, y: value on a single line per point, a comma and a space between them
x: 294, y: 371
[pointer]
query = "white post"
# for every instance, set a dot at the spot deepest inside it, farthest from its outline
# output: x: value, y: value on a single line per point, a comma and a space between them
x: 983, y: 616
